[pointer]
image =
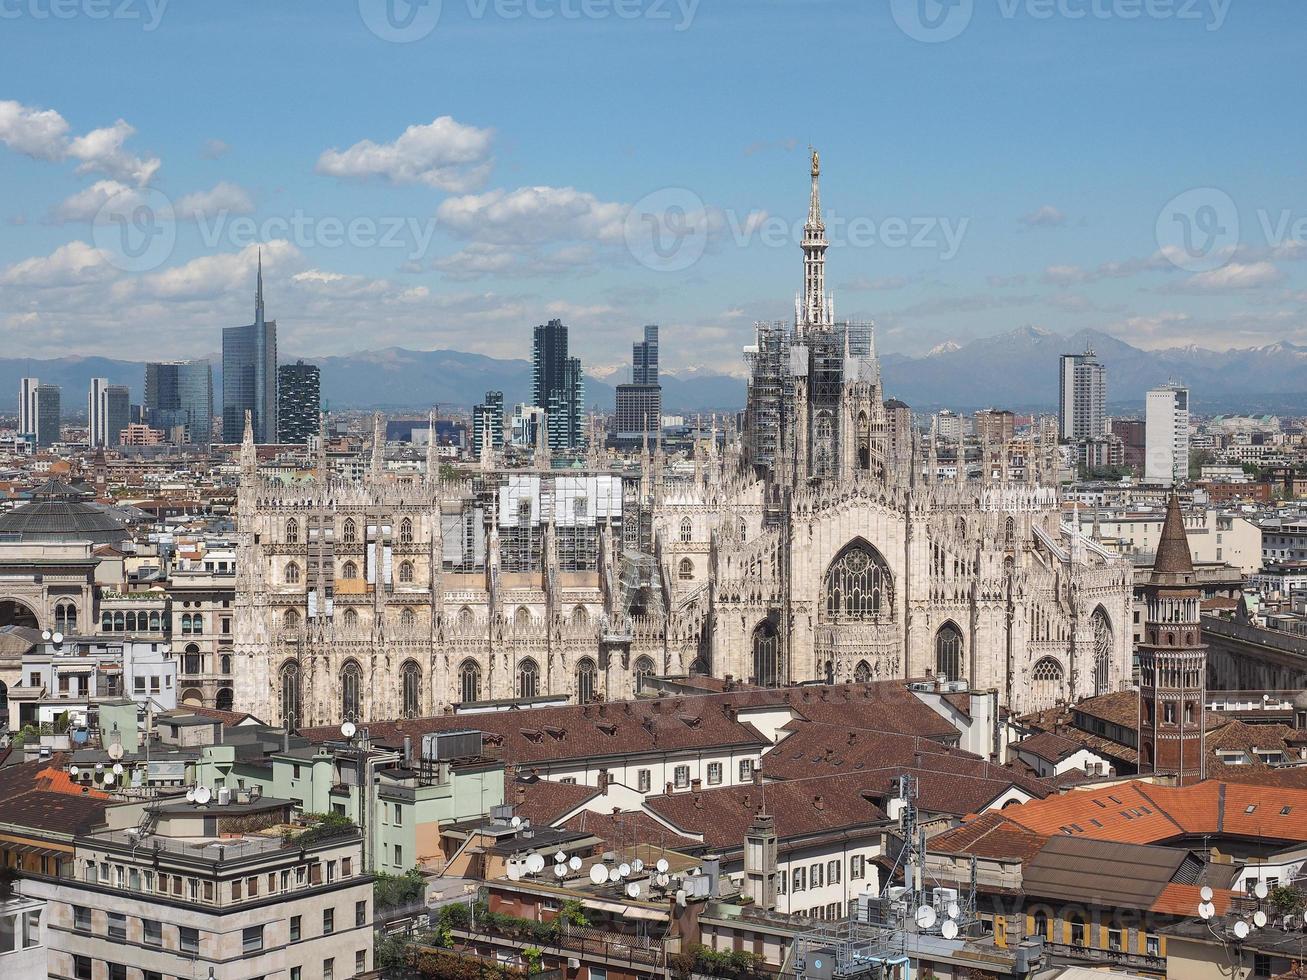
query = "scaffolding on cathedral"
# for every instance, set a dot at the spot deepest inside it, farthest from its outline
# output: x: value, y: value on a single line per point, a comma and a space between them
x: 771, y: 386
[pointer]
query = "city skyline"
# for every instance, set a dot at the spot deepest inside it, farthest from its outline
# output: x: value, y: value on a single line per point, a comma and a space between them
x: 511, y: 230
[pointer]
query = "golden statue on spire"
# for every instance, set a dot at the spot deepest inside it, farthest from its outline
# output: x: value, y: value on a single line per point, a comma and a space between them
x: 816, y: 163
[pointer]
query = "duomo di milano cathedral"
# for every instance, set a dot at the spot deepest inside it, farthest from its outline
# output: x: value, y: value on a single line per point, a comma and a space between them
x: 820, y: 543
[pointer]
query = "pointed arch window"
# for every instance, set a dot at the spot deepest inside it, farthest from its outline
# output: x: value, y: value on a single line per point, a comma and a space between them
x: 349, y: 532
x: 522, y: 618
x: 406, y: 531
x: 586, y: 676
x: 351, y: 691
x: 1046, y: 682
x: 292, y: 574
x: 644, y: 667
x: 948, y: 653
x: 687, y: 531
x: 406, y: 572
x: 528, y: 679
x: 292, y: 531
x: 862, y: 673
x: 291, y: 620
x: 859, y: 585
x: 766, y: 654
x: 65, y: 618
x: 466, y: 618
x: 349, y: 570
x: 351, y: 619
x: 685, y: 570
x: 469, y: 682
x: 1103, y: 646
x: 290, y: 694
x: 408, y: 618
x: 410, y: 689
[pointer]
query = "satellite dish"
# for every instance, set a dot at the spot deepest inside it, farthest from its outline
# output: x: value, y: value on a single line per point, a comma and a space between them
x: 624, y: 870
x: 190, y: 795
x: 949, y: 929
x: 1205, y: 911
x: 73, y: 771
x: 662, y: 866
x: 517, y: 821
x: 108, y: 779
x: 115, y: 751
x: 57, y: 638
x: 925, y: 917
x: 574, y: 862
x: 637, y: 865
x: 117, y: 768
x: 99, y: 767
x: 1261, y: 891
x: 633, y: 890
x: 348, y: 729
x: 1241, y: 929
x: 560, y: 871
x: 953, y: 910
x: 202, y: 795
x: 1259, y: 919
x: 535, y: 864
x: 614, y: 876
x: 45, y: 635
x: 598, y: 874
x: 663, y: 880
x: 560, y: 857
x: 1205, y: 893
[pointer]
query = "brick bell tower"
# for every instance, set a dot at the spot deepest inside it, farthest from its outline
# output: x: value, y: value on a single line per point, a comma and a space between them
x: 1173, y: 663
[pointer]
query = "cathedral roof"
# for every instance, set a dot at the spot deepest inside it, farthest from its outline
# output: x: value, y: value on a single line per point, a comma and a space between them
x: 1173, y: 564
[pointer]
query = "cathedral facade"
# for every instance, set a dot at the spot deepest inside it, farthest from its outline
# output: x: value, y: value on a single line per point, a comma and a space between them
x: 821, y: 543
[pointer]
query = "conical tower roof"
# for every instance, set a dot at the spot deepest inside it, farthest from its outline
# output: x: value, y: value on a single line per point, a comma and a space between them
x: 1173, y: 562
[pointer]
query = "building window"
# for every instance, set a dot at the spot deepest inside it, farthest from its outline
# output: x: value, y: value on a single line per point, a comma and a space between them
x: 328, y: 921
x: 833, y: 872
x: 685, y: 571
x: 1152, y: 946
x: 856, y: 867
x: 687, y: 531
x: 528, y: 679
x: 644, y: 667
x: 351, y: 691
x: 469, y: 682
x: 948, y: 653
x: 360, y: 913
x: 82, y: 968
x: 188, y: 940
x: 746, y: 770
x: 290, y: 693
x: 766, y: 654
x: 815, y: 876
x: 296, y: 973
x: 643, y: 780
x: 681, y: 776
x: 399, y: 856
x: 714, y: 773
x: 411, y: 688
x: 798, y: 881
x: 153, y: 931
x: 360, y: 961
x: 81, y: 918
x: 858, y: 584
x: 292, y: 531
x: 251, y: 939
x: 585, y: 681
x: 406, y: 531
x: 349, y: 532
x: 349, y: 570
x: 292, y: 574
x: 117, y: 926
x: 782, y: 880
x: 406, y: 572
x: 295, y: 924
x: 329, y: 969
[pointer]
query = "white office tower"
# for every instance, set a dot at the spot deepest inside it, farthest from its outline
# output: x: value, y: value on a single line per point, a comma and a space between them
x: 1166, y: 435
x: 27, y: 405
x: 1083, y: 401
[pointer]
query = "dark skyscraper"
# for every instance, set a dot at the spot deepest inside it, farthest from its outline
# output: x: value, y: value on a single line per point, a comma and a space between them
x: 488, y: 417
x: 249, y: 375
x: 48, y: 420
x: 108, y: 409
x: 299, y: 402
x: 180, y: 394
x: 644, y: 358
x: 557, y: 385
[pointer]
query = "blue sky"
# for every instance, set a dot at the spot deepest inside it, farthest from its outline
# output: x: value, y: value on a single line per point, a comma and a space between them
x: 1038, y: 168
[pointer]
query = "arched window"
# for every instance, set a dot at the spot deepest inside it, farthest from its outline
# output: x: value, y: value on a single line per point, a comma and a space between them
x: 469, y: 682
x: 290, y: 694
x: 131, y: 622
x: 225, y: 699
x: 120, y: 623
x: 349, y: 570
x: 1046, y: 683
x: 466, y: 618
x: 685, y: 571
x: 766, y: 654
x: 192, y: 660
x: 1103, y: 646
x: 585, y: 681
x: 580, y: 618
x: 197, y: 623
x: 687, y: 531
x: 408, y: 618
x: 349, y: 532
x: 351, y: 691
x: 859, y: 584
x: 948, y: 653
x: 528, y: 679
x: 862, y: 672
x: 224, y: 664
x: 1009, y: 530
x: 644, y: 667
x: 410, y: 676
x: 522, y: 618
x: 406, y: 572
x: 292, y: 574
x: 292, y: 531
x: 406, y: 531
x: 351, y: 619
x: 291, y: 620
x: 65, y: 618
x: 823, y: 449
x: 156, y: 621
x: 744, y: 529
x: 106, y: 621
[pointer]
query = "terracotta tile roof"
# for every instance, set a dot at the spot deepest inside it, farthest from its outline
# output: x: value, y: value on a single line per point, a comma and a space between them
x: 1180, y: 899
x: 1048, y: 746
x: 230, y: 718
x: 626, y: 830
x: 801, y: 807
x: 989, y: 835
x: 41, y: 796
x: 544, y: 802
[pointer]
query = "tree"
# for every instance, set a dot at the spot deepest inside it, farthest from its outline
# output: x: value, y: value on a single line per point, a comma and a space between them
x: 396, y: 891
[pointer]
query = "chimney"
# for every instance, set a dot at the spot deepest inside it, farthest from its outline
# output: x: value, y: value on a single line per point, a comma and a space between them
x: 603, y: 780
x: 817, y: 802
x: 519, y: 794
x: 712, y: 867
x: 698, y: 802
x: 408, y: 751
x: 668, y: 789
x: 696, y: 784
x: 757, y: 774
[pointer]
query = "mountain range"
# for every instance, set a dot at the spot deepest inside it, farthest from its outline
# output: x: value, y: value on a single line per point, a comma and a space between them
x: 1016, y: 370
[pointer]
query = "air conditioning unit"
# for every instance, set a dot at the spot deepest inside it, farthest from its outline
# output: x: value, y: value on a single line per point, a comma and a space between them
x: 894, y: 808
x: 942, y: 897
x: 224, y: 796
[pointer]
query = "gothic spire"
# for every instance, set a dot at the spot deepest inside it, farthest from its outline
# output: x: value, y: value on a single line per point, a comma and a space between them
x: 816, y: 306
x: 1173, y: 560
x: 433, y: 464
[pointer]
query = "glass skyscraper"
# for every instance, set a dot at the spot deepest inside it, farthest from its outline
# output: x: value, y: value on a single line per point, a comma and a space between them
x: 180, y: 393
x: 557, y: 385
x: 249, y: 375
x: 299, y: 401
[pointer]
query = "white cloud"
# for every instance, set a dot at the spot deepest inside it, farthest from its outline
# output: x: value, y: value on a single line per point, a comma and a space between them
x: 1044, y: 217
x: 40, y: 133
x: 444, y: 154
x: 1233, y: 276
x: 86, y: 203
x: 227, y: 273
x: 214, y: 149
x: 223, y: 198
x: 102, y: 151
x: 533, y: 215
x: 74, y: 264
